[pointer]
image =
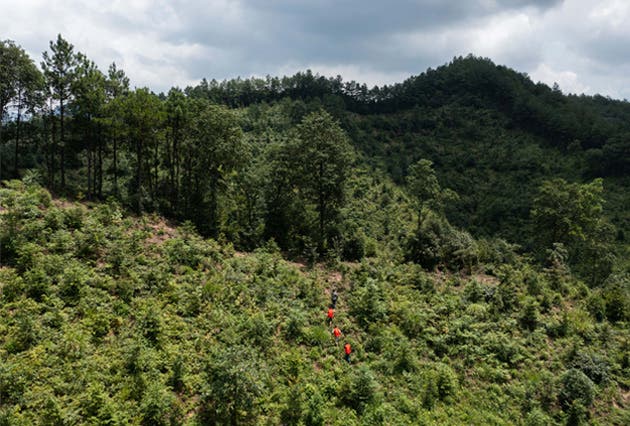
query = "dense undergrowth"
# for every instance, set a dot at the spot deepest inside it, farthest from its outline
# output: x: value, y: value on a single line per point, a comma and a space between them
x: 112, y: 319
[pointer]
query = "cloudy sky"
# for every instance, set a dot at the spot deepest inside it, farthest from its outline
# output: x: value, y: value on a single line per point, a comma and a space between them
x: 581, y: 44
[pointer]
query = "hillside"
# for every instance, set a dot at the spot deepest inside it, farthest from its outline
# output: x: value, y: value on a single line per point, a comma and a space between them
x: 114, y: 319
x: 168, y: 258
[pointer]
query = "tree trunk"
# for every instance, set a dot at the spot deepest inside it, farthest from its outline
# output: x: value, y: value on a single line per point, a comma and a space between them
x: 140, y: 159
x: 63, y: 147
x: 99, y: 188
x: 1, y: 117
x: 53, y: 145
x: 17, y: 138
x: 89, y: 165
x: 115, y: 163
x: 321, y: 207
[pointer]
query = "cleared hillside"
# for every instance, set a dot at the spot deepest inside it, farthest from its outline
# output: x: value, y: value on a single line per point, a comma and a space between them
x: 112, y: 319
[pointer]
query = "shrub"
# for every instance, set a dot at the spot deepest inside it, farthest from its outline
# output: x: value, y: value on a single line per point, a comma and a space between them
x: 440, y: 384
x: 576, y: 387
x: 294, y: 325
x: 359, y: 389
x: 474, y: 292
x: 155, y: 405
x: 594, y: 366
x: 529, y: 318
x: 617, y: 296
x: 367, y: 303
x: 313, y: 415
x: 234, y: 381
x: 596, y: 305
x: 537, y: 417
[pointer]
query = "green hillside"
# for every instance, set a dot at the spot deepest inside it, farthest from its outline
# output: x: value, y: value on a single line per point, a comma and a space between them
x: 114, y: 319
x: 168, y: 258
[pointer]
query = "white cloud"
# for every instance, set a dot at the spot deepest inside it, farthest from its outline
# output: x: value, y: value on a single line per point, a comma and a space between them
x: 567, y: 80
x: 581, y: 44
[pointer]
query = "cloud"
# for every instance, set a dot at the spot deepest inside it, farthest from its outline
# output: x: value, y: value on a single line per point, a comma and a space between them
x: 161, y: 43
x: 567, y: 80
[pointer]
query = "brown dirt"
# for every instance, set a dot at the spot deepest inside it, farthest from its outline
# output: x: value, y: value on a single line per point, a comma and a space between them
x: 62, y: 204
x: 161, y: 231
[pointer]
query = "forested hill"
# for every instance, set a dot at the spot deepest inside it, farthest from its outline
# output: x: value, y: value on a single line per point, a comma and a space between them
x: 236, y: 158
x: 491, y: 132
x: 476, y: 225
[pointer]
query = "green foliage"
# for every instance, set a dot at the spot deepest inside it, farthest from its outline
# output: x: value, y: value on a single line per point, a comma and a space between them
x: 359, y: 389
x: 529, y: 318
x: 436, y: 242
x: 440, y: 384
x: 616, y: 294
x: 158, y: 325
x: 233, y: 384
x: 592, y: 365
x: 367, y: 304
x: 108, y: 319
x: 572, y: 214
x: 576, y: 387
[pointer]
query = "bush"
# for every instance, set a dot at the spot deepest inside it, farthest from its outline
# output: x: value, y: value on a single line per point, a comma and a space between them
x: 440, y: 384
x: 594, y: 366
x: 294, y: 325
x: 576, y: 387
x: 234, y: 382
x: 596, y: 305
x: 617, y: 296
x: 537, y: 417
x: 155, y: 406
x: 529, y: 318
x: 367, y: 303
x: 359, y: 389
x: 312, y: 414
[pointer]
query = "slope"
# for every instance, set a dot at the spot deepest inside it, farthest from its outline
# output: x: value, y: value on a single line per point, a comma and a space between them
x: 112, y: 319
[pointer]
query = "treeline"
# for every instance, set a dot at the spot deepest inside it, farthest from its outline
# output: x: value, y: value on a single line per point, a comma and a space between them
x: 297, y: 160
x: 597, y: 125
x: 91, y: 135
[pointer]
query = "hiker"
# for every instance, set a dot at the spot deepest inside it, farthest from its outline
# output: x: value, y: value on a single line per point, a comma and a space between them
x: 333, y: 299
x: 336, y: 333
x: 348, y: 351
x: 331, y: 314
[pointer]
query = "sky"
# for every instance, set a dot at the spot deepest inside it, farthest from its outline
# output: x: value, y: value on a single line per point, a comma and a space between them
x: 580, y: 44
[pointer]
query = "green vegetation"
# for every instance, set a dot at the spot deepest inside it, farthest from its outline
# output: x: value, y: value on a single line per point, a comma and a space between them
x: 111, y: 319
x: 168, y: 258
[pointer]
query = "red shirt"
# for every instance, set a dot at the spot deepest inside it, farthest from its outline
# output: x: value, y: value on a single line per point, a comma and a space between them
x: 347, y: 348
x: 331, y: 312
x: 336, y: 332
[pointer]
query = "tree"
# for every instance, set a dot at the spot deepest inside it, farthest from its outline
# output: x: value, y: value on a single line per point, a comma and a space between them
x: 142, y: 113
x: 89, y: 100
x: 422, y: 181
x: 572, y: 214
x: 215, y: 151
x: 59, y: 70
x: 9, y: 54
x: 234, y: 382
x: 116, y: 86
x: 19, y: 85
x: 322, y: 156
x: 177, y: 124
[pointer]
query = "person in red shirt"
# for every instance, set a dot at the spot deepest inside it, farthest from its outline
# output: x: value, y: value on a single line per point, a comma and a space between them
x: 331, y: 314
x: 337, y: 334
x: 348, y: 351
